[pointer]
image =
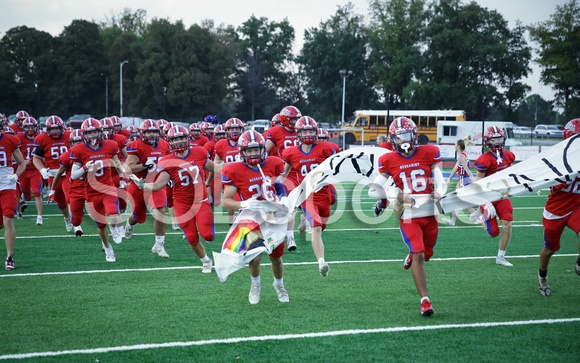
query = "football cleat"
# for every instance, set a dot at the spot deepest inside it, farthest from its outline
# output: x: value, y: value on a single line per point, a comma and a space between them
x: 254, y: 296
x: 408, y: 261
x: 159, y: 249
x: 543, y: 286
x: 117, y: 235
x: 324, y: 268
x: 448, y: 221
x: 78, y: 231
x: 502, y: 261
x: 577, y: 268
x: 281, y: 291
x: 128, y: 231
x: 206, y: 268
x: 175, y: 226
x: 475, y: 217
x: 9, y: 263
x: 110, y: 255
x: 38, y: 219
x: 19, y: 216
x: 426, y: 308
x: 68, y: 224
x: 291, y: 244
x: 23, y: 206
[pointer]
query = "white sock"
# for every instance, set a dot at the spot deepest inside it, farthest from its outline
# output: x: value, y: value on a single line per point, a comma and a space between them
x: 500, y: 254
x: 321, y: 261
x: 279, y: 282
x: 424, y: 298
x: 110, y: 249
x: 290, y: 234
x: 160, y: 239
x: 255, y: 280
x: 205, y: 259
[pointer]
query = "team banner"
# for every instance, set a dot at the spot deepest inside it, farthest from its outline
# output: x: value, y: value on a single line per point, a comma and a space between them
x: 557, y: 165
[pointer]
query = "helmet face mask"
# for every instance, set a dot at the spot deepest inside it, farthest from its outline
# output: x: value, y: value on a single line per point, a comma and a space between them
x: 289, y: 115
x: 219, y: 132
x: 572, y: 128
x: 494, y: 138
x: 403, y: 135
x: 178, y: 139
x: 75, y: 137
x: 150, y: 132
x: 234, y: 128
x: 20, y: 117
x: 252, y: 148
x: 307, y: 130
x: 30, y: 127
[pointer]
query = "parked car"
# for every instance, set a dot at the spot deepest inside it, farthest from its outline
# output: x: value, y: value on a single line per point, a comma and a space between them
x: 522, y: 131
x: 548, y: 131
x: 76, y: 121
x: 259, y: 125
x: 324, y: 125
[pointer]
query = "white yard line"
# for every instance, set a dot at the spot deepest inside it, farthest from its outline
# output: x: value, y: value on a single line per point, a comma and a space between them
x: 261, y: 338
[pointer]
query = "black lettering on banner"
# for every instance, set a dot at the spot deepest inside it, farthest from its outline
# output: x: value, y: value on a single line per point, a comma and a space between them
x: 552, y: 167
x: 565, y: 153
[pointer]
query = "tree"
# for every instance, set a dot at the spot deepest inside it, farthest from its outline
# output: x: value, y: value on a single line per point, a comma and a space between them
x: 265, y: 49
x: 338, y: 43
x: 26, y: 57
x: 465, y: 60
x: 395, y: 38
x: 535, y: 110
x: 559, y: 54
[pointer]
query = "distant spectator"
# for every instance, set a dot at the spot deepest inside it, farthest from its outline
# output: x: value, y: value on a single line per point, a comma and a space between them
x: 383, y: 142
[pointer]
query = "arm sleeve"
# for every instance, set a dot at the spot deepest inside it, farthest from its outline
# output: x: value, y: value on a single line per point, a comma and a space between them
x: 77, y: 171
x: 440, y: 181
x: 383, y: 188
x: 280, y: 189
x: 39, y: 151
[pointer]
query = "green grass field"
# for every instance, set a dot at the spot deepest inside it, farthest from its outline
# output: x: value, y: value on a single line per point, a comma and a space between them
x: 64, y: 302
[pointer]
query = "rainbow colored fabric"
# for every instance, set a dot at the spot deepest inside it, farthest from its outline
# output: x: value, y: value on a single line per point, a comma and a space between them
x: 237, y: 239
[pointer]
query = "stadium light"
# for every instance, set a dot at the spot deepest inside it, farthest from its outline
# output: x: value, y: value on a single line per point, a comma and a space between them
x: 343, y: 73
x: 121, y: 81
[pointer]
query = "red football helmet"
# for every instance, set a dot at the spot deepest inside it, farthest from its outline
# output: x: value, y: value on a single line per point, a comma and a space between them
x: 572, y: 128
x: 20, y: 117
x: 289, y: 115
x: 167, y: 127
x: 117, y: 124
x: 403, y: 135
x: 234, y: 128
x: 30, y: 126
x: 219, y: 132
x: 178, y: 132
x: 276, y: 120
x: 54, y: 127
x: 75, y: 137
x: 323, y: 135
x: 107, y: 128
x: 307, y: 123
x: 494, y: 138
x: 194, y: 131
x: 150, y: 128
x: 68, y: 128
x: 89, y: 137
x: 134, y: 132
x: 207, y: 129
x: 3, y: 123
x: 249, y: 140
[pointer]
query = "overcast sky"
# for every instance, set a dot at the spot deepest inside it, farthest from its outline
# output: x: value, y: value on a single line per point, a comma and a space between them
x: 53, y: 15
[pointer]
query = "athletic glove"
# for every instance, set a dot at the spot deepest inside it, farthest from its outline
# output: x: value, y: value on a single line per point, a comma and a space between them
x: 50, y: 197
x: 252, y: 204
x: 140, y: 183
x: 89, y: 166
x: 44, y: 173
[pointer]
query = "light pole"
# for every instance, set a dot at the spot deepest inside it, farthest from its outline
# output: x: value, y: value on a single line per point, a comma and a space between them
x: 106, y: 95
x: 121, y: 81
x: 164, y: 97
x: 36, y: 100
x: 343, y: 73
x: 482, y: 125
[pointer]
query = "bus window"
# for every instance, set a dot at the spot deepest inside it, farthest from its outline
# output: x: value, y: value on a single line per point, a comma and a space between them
x: 449, y: 130
x: 423, y: 121
x: 362, y: 121
x: 381, y: 120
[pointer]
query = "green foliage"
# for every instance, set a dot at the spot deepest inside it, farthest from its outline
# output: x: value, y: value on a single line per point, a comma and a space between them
x: 338, y: 43
x: 559, y: 55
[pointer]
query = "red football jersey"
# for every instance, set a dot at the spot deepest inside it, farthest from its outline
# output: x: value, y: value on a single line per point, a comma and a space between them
x: 303, y: 163
x: 27, y: 148
x: 274, y: 151
x: 564, y: 199
x: 226, y: 151
x: 53, y: 148
x: 210, y: 147
x: 17, y: 130
x: 99, y: 181
x: 386, y: 145
x: 489, y: 163
x: 282, y: 138
x: 145, y: 152
x: 412, y: 175
x: 200, y: 141
x: 125, y: 132
x: 8, y: 143
x: 249, y: 181
x: 77, y: 187
x: 187, y: 174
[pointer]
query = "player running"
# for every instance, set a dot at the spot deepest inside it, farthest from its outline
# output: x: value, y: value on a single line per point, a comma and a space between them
x: 30, y: 183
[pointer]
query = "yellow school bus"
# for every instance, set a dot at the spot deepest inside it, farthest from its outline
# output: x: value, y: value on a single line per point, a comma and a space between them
x: 376, y: 122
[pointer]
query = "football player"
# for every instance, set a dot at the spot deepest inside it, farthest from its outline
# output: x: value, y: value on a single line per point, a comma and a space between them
x: 495, y: 159
x: 118, y: 127
x: 284, y: 136
x: 195, y: 132
x: 413, y: 169
x: 256, y: 177
x: 185, y: 166
x: 93, y: 160
x: 30, y: 180
x: 18, y: 120
x: 562, y: 210
x: 108, y: 130
x: 50, y: 147
x: 303, y: 159
x: 142, y: 159
x: 9, y: 149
